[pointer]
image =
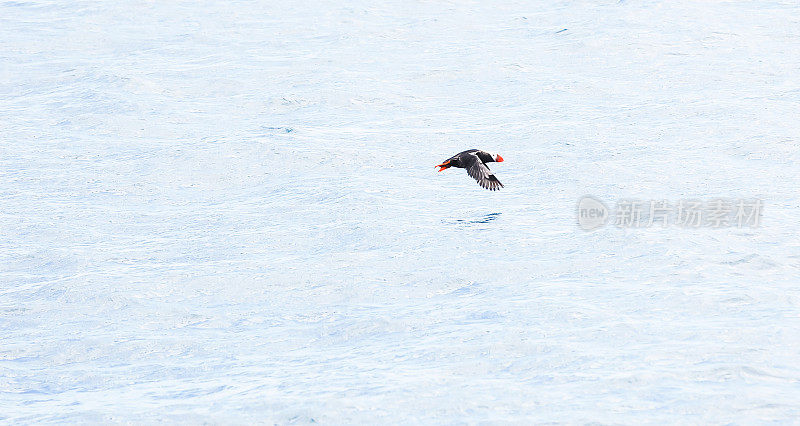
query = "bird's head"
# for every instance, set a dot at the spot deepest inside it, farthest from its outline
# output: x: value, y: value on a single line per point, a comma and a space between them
x: 497, y: 158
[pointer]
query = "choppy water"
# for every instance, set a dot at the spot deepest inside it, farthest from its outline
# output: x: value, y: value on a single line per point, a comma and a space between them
x: 229, y: 212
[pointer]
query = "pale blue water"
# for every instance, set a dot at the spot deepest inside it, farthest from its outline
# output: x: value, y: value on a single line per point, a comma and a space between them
x: 228, y: 212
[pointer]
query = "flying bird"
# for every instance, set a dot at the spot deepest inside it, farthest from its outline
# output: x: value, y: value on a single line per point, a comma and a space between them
x: 474, y: 160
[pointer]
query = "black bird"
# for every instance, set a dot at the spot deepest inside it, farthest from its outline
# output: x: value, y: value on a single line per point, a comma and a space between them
x: 474, y: 160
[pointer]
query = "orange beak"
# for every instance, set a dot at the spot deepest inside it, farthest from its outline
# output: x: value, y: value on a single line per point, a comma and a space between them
x: 499, y: 158
x: 444, y: 166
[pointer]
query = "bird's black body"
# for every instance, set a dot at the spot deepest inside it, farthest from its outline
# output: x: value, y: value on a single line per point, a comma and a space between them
x: 462, y: 160
x: 474, y: 160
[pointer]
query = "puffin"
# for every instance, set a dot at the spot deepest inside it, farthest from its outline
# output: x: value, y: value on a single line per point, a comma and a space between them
x: 474, y: 160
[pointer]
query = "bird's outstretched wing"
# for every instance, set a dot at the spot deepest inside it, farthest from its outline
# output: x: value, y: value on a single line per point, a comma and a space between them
x: 480, y: 172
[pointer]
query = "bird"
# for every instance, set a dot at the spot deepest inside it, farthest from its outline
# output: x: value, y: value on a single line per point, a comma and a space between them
x: 474, y: 160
